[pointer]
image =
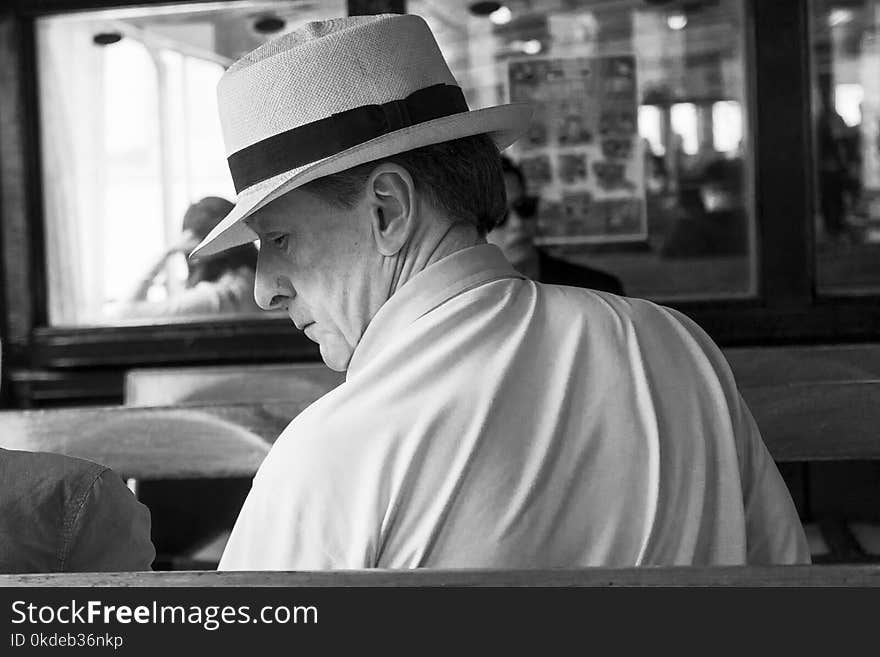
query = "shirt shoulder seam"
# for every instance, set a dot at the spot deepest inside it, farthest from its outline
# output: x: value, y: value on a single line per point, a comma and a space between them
x: 71, y: 520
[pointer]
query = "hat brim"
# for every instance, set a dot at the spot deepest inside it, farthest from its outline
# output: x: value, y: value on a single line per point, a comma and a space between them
x: 504, y: 124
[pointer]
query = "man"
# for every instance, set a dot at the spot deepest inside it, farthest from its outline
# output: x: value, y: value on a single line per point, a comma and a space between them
x: 515, y: 235
x: 63, y: 514
x: 486, y: 420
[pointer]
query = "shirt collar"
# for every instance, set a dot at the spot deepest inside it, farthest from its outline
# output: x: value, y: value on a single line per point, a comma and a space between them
x: 430, y: 288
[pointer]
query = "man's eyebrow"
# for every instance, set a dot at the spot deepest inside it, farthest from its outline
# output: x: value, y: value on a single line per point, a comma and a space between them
x: 261, y: 221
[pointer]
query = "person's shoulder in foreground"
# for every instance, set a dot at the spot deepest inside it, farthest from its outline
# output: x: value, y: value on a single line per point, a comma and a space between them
x: 63, y: 514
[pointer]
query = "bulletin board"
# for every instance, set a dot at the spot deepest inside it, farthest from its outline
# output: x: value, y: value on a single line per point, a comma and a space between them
x: 582, y: 154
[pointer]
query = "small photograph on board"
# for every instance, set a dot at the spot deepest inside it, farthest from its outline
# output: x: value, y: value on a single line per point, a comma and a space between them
x: 618, y: 78
x: 611, y: 176
x: 616, y: 148
x: 537, y: 169
x: 622, y: 216
x: 526, y: 78
x: 573, y: 129
x: 576, y: 205
x: 615, y: 121
x: 536, y: 136
x: 572, y: 168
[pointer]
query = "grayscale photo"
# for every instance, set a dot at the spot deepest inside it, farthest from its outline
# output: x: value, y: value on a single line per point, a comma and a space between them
x: 435, y: 293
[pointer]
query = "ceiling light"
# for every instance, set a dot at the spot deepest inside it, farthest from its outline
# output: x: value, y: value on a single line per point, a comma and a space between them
x: 531, y: 47
x: 501, y: 16
x: 839, y: 16
x: 676, y: 21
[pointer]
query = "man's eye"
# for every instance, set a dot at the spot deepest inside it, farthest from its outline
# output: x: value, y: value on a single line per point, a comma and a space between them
x: 280, y: 241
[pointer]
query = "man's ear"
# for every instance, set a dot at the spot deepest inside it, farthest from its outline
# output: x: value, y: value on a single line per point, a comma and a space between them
x: 392, y: 201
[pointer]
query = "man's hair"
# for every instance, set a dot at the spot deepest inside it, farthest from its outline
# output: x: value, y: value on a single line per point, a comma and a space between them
x: 461, y: 178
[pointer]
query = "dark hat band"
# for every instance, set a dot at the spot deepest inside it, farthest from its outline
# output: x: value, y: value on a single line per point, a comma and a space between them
x: 314, y: 141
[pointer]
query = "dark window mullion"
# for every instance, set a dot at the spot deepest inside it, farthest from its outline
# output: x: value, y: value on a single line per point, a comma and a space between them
x: 783, y: 152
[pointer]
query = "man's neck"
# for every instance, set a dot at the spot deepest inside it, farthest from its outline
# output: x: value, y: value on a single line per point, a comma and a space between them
x: 434, y: 240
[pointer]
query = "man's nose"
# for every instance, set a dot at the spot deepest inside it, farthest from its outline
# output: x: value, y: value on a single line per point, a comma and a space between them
x: 270, y: 293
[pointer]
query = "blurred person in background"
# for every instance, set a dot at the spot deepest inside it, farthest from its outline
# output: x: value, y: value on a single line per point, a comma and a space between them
x: 222, y: 284
x: 714, y: 222
x: 837, y: 147
x: 515, y: 236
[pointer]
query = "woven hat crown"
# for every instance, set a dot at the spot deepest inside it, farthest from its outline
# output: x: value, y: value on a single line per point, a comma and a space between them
x: 324, y: 68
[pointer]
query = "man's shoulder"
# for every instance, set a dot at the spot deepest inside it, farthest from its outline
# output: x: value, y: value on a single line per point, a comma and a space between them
x: 608, y: 320
x: 332, y: 425
x: 43, y: 470
x: 597, y: 305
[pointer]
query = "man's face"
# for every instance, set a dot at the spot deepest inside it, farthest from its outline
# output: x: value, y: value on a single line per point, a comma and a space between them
x: 317, y: 261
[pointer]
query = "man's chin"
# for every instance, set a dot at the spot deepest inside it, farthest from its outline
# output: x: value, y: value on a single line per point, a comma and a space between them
x: 335, y: 360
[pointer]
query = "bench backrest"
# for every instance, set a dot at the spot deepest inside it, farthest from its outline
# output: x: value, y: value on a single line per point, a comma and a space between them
x: 818, y: 403
x: 170, y: 386
x: 811, y: 404
x: 831, y: 575
x: 808, y: 422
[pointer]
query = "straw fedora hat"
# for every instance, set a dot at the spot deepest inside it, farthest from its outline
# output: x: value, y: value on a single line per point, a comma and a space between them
x: 335, y: 94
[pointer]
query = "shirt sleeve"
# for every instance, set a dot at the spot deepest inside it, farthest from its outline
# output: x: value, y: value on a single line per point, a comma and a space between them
x: 773, y: 530
x: 775, y: 534
x: 294, y: 524
x: 310, y: 506
x: 111, y: 530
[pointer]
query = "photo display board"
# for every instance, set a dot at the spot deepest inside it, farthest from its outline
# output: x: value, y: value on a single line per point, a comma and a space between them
x: 582, y: 154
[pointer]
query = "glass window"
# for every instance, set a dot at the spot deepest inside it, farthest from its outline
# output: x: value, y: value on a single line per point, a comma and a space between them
x: 846, y: 115
x: 639, y: 150
x: 133, y: 158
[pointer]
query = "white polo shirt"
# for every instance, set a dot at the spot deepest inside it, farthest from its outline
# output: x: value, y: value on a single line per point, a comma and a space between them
x: 490, y: 421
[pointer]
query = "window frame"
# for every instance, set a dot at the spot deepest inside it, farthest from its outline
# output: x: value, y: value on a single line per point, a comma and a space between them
x: 786, y: 310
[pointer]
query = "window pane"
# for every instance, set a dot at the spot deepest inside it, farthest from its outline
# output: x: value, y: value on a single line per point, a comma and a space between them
x: 846, y: 113
x: 727, y: 126
x: 639, y: 149
x: 130, y: 141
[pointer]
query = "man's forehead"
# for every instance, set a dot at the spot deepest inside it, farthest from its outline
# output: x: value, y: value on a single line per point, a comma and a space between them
x: 258, y: 221
x: 270, y: 216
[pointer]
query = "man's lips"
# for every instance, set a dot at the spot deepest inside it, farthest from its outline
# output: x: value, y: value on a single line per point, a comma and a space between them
x: 301, y: 324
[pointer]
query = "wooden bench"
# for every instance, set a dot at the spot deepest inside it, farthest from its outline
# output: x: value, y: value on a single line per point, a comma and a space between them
x: 740, y: 576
